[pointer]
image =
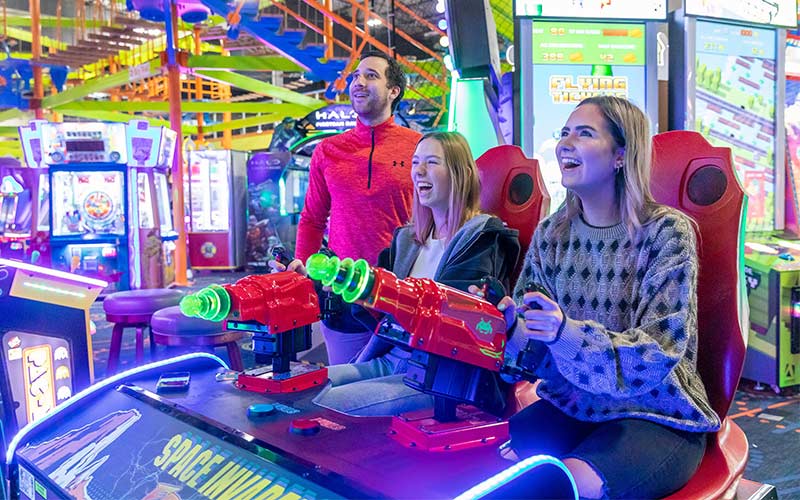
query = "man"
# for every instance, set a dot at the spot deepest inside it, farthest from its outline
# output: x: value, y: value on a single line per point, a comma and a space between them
x: 361, y: 179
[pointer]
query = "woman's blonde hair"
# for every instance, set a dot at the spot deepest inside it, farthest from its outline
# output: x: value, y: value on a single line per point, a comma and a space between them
x: 464, y: 187
x: 630, y: 129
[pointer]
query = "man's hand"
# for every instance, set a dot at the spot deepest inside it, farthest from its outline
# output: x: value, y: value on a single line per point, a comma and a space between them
x: 296, y: 265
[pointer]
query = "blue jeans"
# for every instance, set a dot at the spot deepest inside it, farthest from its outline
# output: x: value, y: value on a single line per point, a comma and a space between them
x: 342, y: 347
x: 373, y: 388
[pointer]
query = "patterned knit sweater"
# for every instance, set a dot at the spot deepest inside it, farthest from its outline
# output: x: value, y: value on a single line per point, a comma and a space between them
x: 628, y: 345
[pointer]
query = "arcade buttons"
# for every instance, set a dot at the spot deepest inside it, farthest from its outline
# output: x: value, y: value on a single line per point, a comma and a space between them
x: 259, y: 411
x: 304, y: 427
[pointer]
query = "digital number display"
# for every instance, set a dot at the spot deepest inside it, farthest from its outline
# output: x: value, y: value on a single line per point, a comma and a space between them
x: 74, y: 146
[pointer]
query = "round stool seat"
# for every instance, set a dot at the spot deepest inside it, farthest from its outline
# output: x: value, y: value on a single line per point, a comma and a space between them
x: 141, y: 302
x: 171, y: 327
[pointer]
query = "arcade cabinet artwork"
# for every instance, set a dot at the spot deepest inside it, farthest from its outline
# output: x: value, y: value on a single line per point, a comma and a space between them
x: 267, y: 225
x: 46, y: 345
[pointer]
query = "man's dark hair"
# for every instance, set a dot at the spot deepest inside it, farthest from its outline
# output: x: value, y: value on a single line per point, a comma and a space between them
x: 395, y: 75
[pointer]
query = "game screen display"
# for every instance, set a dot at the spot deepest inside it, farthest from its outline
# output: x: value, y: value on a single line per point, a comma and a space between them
x: 573, y: 61
x: 735, y: 108
x: 39, y: 372
x: 596, y: 9
x: 774, y: 12
x: 88, y: 203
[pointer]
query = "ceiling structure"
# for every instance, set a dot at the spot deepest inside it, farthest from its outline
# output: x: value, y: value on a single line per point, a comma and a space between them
x: 113, y: 57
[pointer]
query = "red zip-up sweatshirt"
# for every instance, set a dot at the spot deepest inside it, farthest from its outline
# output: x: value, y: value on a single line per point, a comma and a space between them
x: 362, y: 180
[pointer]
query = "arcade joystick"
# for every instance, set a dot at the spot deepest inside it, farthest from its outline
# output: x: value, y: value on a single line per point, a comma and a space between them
x: 457, y: 342
x: 525, y: 364
x: 278, y: 309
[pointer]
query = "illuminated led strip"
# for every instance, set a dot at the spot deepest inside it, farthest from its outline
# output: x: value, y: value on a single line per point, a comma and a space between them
x: 51, y: 289
x: 783, y: 243
x: 513, y: 472
x: 52, y: 272
x: 97, y: 387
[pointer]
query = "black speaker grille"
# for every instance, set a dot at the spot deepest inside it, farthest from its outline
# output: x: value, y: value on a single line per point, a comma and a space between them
x: 521, y: 189
x: 707, y: 185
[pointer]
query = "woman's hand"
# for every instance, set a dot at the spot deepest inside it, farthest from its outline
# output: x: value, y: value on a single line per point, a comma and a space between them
x: 296, y: 265
x: 506, y: 306
x: 542, y: 317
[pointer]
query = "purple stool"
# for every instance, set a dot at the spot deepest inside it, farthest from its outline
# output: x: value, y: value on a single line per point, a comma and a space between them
x: 171, y: 328
x: 133, y: 309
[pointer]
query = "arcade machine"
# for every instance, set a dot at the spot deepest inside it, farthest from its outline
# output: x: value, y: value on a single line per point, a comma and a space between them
x: 568, y: 51
x: 151, y: 153
x: 267, y: 226
x: 216, y: 190
x: 16, y: 206
x: 36, y: 178
x: 47, y: 349
x: 736, y: 99
x: 89, y: 199
x: 267, y: 440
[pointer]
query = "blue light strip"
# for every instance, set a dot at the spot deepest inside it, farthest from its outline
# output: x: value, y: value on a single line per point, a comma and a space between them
x: 110, y: 381
x: 502, y: 478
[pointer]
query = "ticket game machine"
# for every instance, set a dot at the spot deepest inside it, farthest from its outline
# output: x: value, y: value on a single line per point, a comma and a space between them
x: 89, y: 193
x: 108, y: 200
x: 568, y: 51
x: 735, y: 97
x: 46, y: 352
x: 18, y: 208
x: 151, y: 154
x: 34, y: 233
x: 216, y: 188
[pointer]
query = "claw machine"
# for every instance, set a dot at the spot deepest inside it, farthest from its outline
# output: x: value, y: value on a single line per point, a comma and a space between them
x: 89, y: 199
x: 216, y: 188
x: 151, y: 153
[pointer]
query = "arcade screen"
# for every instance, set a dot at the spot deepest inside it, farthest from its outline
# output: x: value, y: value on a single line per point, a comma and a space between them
x: 792, y: 114
x: 88, y: 203
x: 39, y: 372
x: 597, y: 9
x: 573, y: 61
x: 162, y: 199
x: 145, y: 202
x: 210, y: 190
x: 773, y: 12
x: 735, y: 107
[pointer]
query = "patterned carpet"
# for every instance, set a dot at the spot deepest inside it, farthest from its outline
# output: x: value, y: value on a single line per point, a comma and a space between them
x: 771, y: 422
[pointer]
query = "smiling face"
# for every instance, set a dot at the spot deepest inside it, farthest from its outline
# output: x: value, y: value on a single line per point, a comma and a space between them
x: 369, y: 91
x: 587, y: 154
x: 431, y: 176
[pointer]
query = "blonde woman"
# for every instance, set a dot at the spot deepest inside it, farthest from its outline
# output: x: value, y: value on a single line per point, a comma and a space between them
x: 449, y: 241
x: 615, y: 347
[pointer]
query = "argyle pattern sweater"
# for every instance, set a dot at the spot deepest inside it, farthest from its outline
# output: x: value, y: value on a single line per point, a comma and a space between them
x: 628, y: 344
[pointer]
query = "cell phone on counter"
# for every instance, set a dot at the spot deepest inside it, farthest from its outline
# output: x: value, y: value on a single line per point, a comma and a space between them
x: 173, y: 382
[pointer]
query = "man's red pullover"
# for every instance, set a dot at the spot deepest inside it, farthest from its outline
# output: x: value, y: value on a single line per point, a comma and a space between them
x: 362, y: 179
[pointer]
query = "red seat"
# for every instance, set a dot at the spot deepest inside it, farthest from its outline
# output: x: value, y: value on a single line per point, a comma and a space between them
x: 691, y: 175
x: 513, y: 190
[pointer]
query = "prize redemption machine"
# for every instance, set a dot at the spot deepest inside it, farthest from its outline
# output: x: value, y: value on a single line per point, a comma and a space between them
x: 105, y: 214
x: 567, y: 53
x: 151, y: 153
x: 216, y: 188
x: 736, y: 99
x: 47, y: 349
